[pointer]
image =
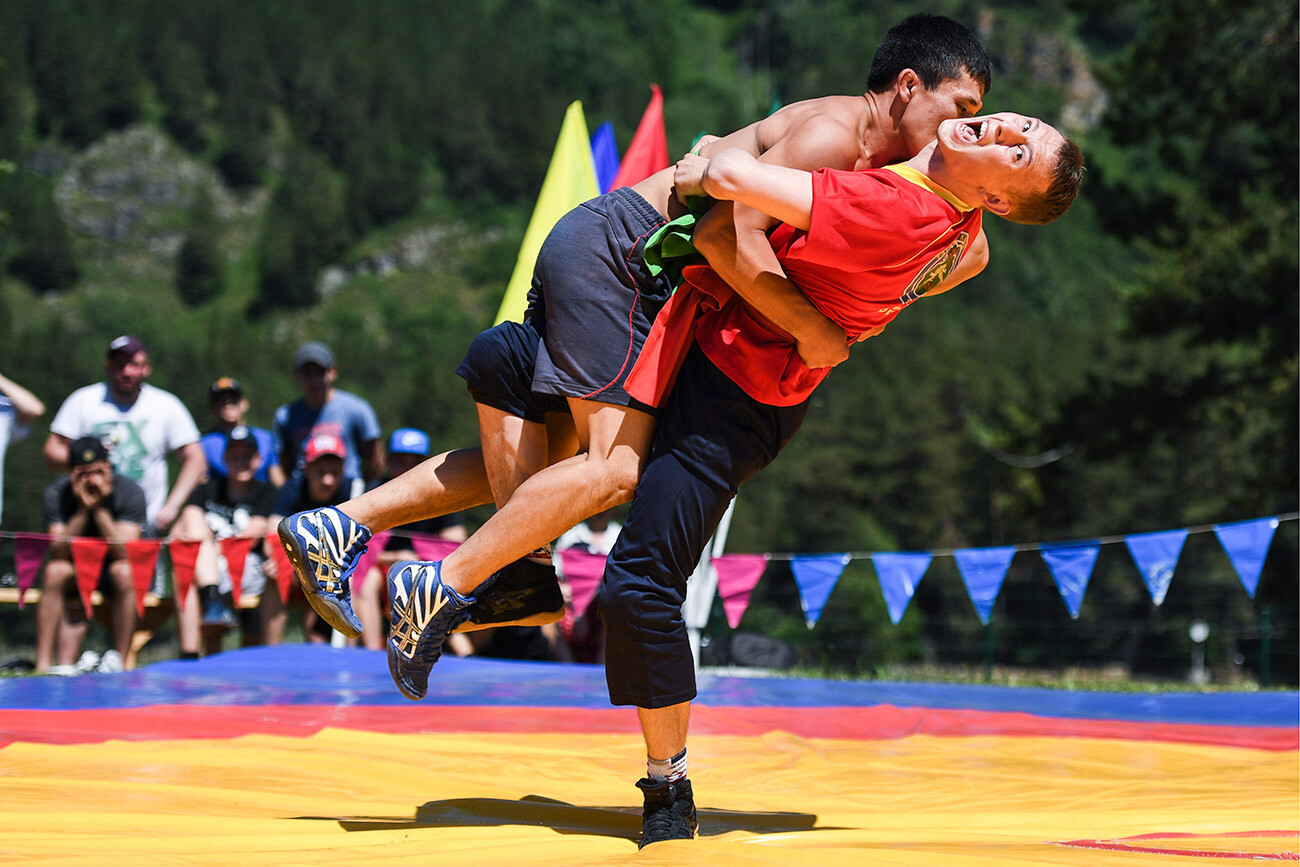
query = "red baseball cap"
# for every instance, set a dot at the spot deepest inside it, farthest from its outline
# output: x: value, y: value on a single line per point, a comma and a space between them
x: 324, y: 444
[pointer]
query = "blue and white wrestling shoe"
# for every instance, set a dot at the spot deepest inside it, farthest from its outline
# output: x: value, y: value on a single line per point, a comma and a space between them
x: 424, y: 612
x: 324, y: 546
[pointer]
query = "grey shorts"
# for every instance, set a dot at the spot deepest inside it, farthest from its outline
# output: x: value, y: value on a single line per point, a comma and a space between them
x: 592, y: 301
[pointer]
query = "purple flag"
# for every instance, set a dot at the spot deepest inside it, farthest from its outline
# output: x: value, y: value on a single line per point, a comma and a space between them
x: 604, y: 154
x: 1071, y: 566
x: 899, y: 575
x: 1246, y: 544
x: 1156, y: 557
x: 29, y: 551
x: 984, y: 570
x: 816, y: 577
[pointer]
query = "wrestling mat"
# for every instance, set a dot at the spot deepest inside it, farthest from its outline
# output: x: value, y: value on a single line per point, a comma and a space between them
x: 308, y: 755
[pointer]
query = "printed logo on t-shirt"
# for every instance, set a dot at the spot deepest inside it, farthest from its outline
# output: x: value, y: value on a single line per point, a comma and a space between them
x: 124, y: 441
x: 937, y: 269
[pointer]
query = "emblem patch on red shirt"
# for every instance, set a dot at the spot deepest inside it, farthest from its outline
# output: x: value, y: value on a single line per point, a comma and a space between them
x: 937, y: 269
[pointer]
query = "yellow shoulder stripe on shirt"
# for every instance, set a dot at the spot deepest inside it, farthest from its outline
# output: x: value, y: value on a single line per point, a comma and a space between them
x: 908, y: 173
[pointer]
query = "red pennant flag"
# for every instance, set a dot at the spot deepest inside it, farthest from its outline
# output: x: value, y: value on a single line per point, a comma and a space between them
x: 143, y: 554
x: 432, y: 548
x: 648, y: 152
x: 29, y: 551
x: 738, y: 575
x: 374, y: 548
x: 283, y: 568
x: 184, y: 554
x: 88, y: 562
x: 583, y: 571
x: 235, y: 550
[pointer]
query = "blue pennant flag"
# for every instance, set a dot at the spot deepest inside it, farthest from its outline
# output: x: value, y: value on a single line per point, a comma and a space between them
x: 1156, y: 557
x: 984, y: 570
x: 1246, y: 544
x: 899, y: 575
x: 604, y: 153
x: 816, y: 577
x: 1071, y: 566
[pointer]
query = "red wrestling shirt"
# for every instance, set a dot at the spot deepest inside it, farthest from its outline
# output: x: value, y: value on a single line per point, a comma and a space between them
x: 878, y: 240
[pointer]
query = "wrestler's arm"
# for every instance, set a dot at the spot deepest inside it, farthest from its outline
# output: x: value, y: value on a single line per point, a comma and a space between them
x: 736, y: 176
x: 972, y: 263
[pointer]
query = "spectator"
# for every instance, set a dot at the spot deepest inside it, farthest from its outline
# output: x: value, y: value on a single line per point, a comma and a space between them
x: 18, y: 408
x: 96, y: 501
x: 324, y: 409
x: 407, y: 449
x: 225, y: 506
x: 322, y: 482
x: 140, y: 426
x: 228, y: 404
x: 583, y: 638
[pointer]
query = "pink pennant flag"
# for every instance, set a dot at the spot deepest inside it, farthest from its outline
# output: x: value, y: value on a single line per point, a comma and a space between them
x: 374, y: 548
x: 29, y: 551
x: 88, y: 561
x: 738, y: 575
x: 143, y: 555
x: 184, y: 554
x: 235, y: 550
x: 432, y: 548
x: 583, y: 570
x: 283, y: 568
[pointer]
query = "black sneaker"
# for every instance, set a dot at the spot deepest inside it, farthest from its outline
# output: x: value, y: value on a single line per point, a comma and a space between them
x: 669, y: 812
x: 525, y: 593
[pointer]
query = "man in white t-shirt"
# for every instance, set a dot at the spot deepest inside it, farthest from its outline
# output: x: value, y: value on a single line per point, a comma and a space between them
x: 18, y: 408
x: 139, y: 425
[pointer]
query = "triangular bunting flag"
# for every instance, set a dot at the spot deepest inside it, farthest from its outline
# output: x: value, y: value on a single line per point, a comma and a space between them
x: 816, y: 576
x: 1156, y: 557
x: 283, y: 568
x: 583, y: 571
x: 88, y: 561
x: 432, y: 548
x: 184, y: 554
x: 235, y: 550
x: 983, y: 570
x: 1071, y: 567
x: 29, y: 551
x: 570, y: 181
x: 738, y: 575
x: 143, y: 555
x: 899, y: 575
x: 1246, y: 543
x: 604, y: 153
x: 648, y: 152
x: 367, y: 561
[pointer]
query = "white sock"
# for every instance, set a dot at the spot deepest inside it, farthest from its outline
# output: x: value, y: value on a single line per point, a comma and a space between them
x: 672, y: 770
x: 542, y: 555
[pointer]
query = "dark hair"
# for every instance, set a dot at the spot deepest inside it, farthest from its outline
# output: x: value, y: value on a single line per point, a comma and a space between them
x: 1037, y: 208
x: 935, y: 48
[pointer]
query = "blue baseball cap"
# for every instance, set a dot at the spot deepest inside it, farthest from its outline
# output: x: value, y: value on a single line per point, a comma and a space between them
x: 408, y: 441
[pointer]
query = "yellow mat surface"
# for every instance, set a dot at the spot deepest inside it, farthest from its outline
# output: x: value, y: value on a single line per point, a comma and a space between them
x: 343, y: 797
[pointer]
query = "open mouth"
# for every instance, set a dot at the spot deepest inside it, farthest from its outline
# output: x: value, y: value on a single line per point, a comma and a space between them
x: 973, y: 131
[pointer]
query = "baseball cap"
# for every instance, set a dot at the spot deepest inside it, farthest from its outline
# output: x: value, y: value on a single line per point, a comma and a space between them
x: 313, y: 352
x: 127, y: 345
x: 324, y: 444
x: 240, y: 433
x: 86, y: 450
x: 408, y: 441
x: 223, y: 385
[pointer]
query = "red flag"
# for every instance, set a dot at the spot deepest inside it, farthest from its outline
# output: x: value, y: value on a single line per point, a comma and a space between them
x: 235, y: 550
x: 648, y: 152
x: 184, y: 554
x: 738, y: 574
x: 88, y: 562
x: 283, y: 568
x: 143, y: 554
x: 374, y: 548
x: 29, y: 551
x: 583, y: 571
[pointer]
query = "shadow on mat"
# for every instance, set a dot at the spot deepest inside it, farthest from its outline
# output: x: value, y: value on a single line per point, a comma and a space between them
x: 624, y: 822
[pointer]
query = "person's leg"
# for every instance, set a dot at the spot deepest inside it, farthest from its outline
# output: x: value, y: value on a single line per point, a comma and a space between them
x: 272, y: 613
x: 368, y: 609
x: 49, y: 610
x: 450, y: 482
x: 72, y: 630
x: 123, y: 606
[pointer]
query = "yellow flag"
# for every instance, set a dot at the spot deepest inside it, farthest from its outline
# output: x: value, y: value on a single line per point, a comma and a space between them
x: 570, y: 181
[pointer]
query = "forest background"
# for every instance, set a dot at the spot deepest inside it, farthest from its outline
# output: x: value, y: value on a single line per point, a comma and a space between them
x: 227, y: 180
